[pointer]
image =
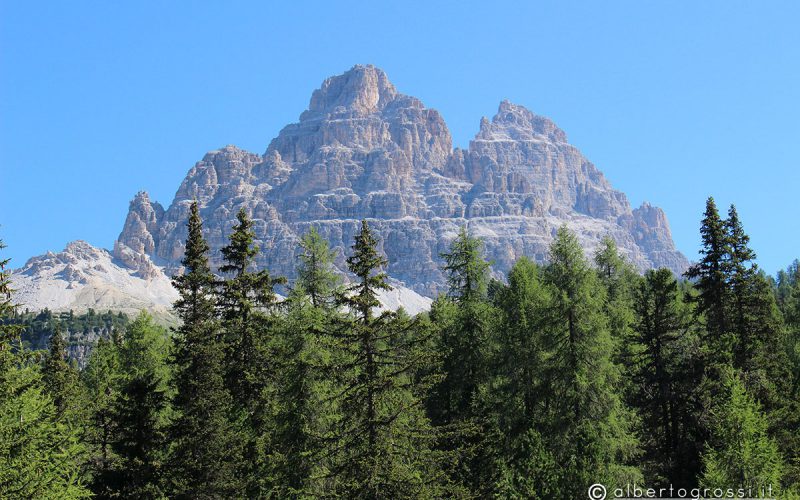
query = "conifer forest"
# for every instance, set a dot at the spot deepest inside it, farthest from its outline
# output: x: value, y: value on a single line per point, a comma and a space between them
x: 575, y: 372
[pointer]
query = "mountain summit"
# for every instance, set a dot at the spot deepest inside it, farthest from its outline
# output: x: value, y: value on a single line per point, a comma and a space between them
x: 364, y: 150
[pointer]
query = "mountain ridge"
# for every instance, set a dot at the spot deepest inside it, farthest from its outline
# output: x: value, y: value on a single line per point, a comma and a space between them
x: 363, y: 150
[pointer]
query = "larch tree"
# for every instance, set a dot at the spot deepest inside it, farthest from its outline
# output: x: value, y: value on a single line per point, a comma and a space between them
x: 40, y: 452
x: 589, y: 429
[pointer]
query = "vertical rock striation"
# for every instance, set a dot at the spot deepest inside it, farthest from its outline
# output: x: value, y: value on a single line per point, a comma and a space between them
x: 364, y: 150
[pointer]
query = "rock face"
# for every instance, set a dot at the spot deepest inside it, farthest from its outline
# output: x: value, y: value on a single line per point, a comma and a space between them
x: 82, y: 277
x: 364, y: 150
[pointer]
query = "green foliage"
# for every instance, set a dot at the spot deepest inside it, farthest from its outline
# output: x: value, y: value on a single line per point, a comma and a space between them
x: 206, y: 446
x: 40, y: 451
x: 101, y: 379
x: 381, y: 444
x: 711, y: 280
x: 563, y: 375
x: 141, y: 412
x: 465, y: 267
x: 298, y: 461
x: 741, y: 453
x: 316, y: 277
x: 588, y: 428
x: 244, y: 300
x: 663, y: 380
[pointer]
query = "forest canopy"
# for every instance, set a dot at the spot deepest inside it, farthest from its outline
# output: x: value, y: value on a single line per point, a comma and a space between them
x: 563, y: 375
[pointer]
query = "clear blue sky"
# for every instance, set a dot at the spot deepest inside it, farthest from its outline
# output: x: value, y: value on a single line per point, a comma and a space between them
x: 673, y: 100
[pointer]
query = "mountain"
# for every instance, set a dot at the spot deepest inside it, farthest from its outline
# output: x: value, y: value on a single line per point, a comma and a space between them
x: 364, y: 150
x: 82, y: 277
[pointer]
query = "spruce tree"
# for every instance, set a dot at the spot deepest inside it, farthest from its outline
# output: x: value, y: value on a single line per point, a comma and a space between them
x: 61, y: 378
x: 382, y: 441
x: 710, y: 279
x: 755, y: 318
x: 660, y: 331
x: 101, y: 379
x: 243, y: 299
x: 206, y: 448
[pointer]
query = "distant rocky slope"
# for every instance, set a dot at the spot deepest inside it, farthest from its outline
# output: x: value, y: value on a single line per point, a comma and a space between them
x: 83, y: 277
x: 364, y: 150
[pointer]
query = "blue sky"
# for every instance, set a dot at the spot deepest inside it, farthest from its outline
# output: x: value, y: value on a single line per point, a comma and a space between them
x: 674, y: 101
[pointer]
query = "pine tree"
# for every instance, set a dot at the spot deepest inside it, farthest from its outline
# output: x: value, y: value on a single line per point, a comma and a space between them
x: 620, y: 280
x: 382, y: 442
x: 755, y: 318
x: 243, y: 300
x: 206, y: 447
x: 305, y: 372
x: 465, y: 332
x: 101, y: 379
x: 465, y: 268
x: 521, y: 356
x: 588, y: 428
x: 464, y: 323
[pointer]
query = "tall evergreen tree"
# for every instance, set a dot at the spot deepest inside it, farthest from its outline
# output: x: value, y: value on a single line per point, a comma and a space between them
x: 464, y: 323
x: 711, y: 282
x: 664, y: 400
x: 516, y: 396
x: 140, y: 411
x: 61, y: 378
x: 620, y: 280
x: 305, y: 372
x: 206, y: 449
x: 382, y: 443
x: 243, y: 301
x: 465, y: 330
x: 589, y: 430
x: 101, y: 379
x: 315, y: 274
x: 755, y: 318
x: 245, y: 297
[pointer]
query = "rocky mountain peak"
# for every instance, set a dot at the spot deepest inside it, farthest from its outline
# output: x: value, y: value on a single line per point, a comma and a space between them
x: 516, y: 123
x: 362, y: 89
x: 363, y: 150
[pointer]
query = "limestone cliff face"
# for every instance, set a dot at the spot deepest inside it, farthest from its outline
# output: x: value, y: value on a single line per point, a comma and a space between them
x: 364, y: 150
